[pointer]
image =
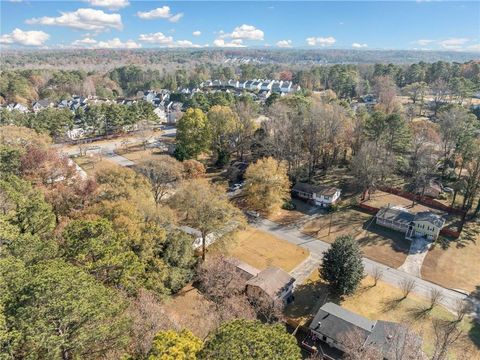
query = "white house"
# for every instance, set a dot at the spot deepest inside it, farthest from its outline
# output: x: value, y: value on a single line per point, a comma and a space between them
x: 286, y: 86
x: 17, y: 107
x: 319, y: 196
x: 266, y: 85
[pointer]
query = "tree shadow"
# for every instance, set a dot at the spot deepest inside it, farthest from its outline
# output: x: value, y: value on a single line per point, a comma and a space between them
x: 391, y: 304
x: 308, y: 299
x: 377, y: 235
x: 474, y: 333
x: 419, y: 313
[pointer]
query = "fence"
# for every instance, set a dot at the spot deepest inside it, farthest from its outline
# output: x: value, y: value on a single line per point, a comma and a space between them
x: 424, y: 200
x: 369, y: 209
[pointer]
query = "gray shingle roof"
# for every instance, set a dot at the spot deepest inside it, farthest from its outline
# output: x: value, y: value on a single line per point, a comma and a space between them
x: 395, y: 214
x: 335, y: 322
x: 430, y: 217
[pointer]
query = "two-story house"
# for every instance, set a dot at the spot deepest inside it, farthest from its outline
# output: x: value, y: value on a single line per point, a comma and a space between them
x: 317, y: 195
x: 424, y: 224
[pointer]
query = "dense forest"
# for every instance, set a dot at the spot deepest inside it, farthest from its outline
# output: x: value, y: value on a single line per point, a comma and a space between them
x: 105, y: 59
x: 348, y: 81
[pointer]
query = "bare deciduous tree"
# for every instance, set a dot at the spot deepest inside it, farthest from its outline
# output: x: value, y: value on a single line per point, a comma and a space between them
x: 403, y: 343
x: 407, y: 285
x: 377, y: 274
x: 446, y: 334
x: 435, y: 297
x: 148, y: 317
x: 162, y: 173
x: 355, y: 347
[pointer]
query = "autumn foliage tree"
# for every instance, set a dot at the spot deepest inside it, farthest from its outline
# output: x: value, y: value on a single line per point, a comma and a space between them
x: 267, y: 185
x: 205, y: 207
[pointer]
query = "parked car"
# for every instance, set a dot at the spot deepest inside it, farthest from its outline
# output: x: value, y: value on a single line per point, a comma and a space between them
x: 252, y: 214
x: 448, y: 190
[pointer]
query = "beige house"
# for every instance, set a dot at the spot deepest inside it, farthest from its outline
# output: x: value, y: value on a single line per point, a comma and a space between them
x: 274, y: 283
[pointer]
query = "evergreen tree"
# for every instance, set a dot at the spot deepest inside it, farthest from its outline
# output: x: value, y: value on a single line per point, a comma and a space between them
x: 342, y: 265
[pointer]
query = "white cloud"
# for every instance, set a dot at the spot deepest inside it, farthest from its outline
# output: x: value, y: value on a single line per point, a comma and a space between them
x: 26, y: 38
x: 83, y: 19
x: 321, y: 41
x: 197, y: 33
x: 284, y: 43
x: 109, y: 4
x: 474, y: 47
x: 175, y: 17
x: 246, y: 32
x: 84, y: 42
x: 424, y: 42
x: 359, y: 46
x: 236, y: 37
x: 115, y: 43
x: 156, y: 38
x: 453, y: 43
x: 233, y: 43
x: 163, y: 40
x: 160, y: 13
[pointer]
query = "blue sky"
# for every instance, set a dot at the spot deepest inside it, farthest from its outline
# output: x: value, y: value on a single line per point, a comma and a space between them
x: 434, y: 25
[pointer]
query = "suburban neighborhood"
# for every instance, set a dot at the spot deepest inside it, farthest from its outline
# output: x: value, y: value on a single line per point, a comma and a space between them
x: 202, y: 181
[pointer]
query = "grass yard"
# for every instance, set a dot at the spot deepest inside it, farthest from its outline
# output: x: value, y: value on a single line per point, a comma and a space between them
x: 141, y: 155
x: 261, y: 250
x: 380, y: 198
x: 288, y: 217
x: 381, y: 303
x: 91, y: 166
x: 457, y: 266
x: 379, y: 244
x: 190, y: 310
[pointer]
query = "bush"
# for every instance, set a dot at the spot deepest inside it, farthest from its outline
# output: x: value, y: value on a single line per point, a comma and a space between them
x: 289, y: 205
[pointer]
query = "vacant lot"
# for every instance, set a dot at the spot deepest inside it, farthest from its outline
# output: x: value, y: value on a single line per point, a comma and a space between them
x: 379, y: 244
x: 381, y: 302
x: 456, y: 266
x: 261, y: 250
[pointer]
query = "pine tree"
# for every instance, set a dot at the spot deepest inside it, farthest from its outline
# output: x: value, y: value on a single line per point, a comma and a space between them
x: 342, y: 265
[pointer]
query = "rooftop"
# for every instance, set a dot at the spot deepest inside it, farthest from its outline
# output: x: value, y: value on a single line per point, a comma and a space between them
x: 272, y: 280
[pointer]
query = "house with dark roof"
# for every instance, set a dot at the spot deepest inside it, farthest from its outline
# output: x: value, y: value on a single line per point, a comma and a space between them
x: 424, y: 224
x: 332, y: 325
x: 273, y: 283
x: 325, y: 196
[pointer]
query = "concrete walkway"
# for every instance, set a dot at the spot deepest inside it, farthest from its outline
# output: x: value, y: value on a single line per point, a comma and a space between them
x: 303, y: 271
x: 417, y: 253
x: 390, y: 275
x: 120, y: 160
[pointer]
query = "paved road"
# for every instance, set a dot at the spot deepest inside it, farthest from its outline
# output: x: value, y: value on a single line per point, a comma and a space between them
x: 390, y: 275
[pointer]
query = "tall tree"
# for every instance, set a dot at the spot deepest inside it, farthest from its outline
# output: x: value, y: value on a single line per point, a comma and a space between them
x: 61, y: 312
x: 193, y: 133
x: 266, y: 184
x: 206, y: 208
x: 244, y: 339
x: 342, y: 265
x: 222, y: 122
x: 162, y: 173
x: 173, y: 345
